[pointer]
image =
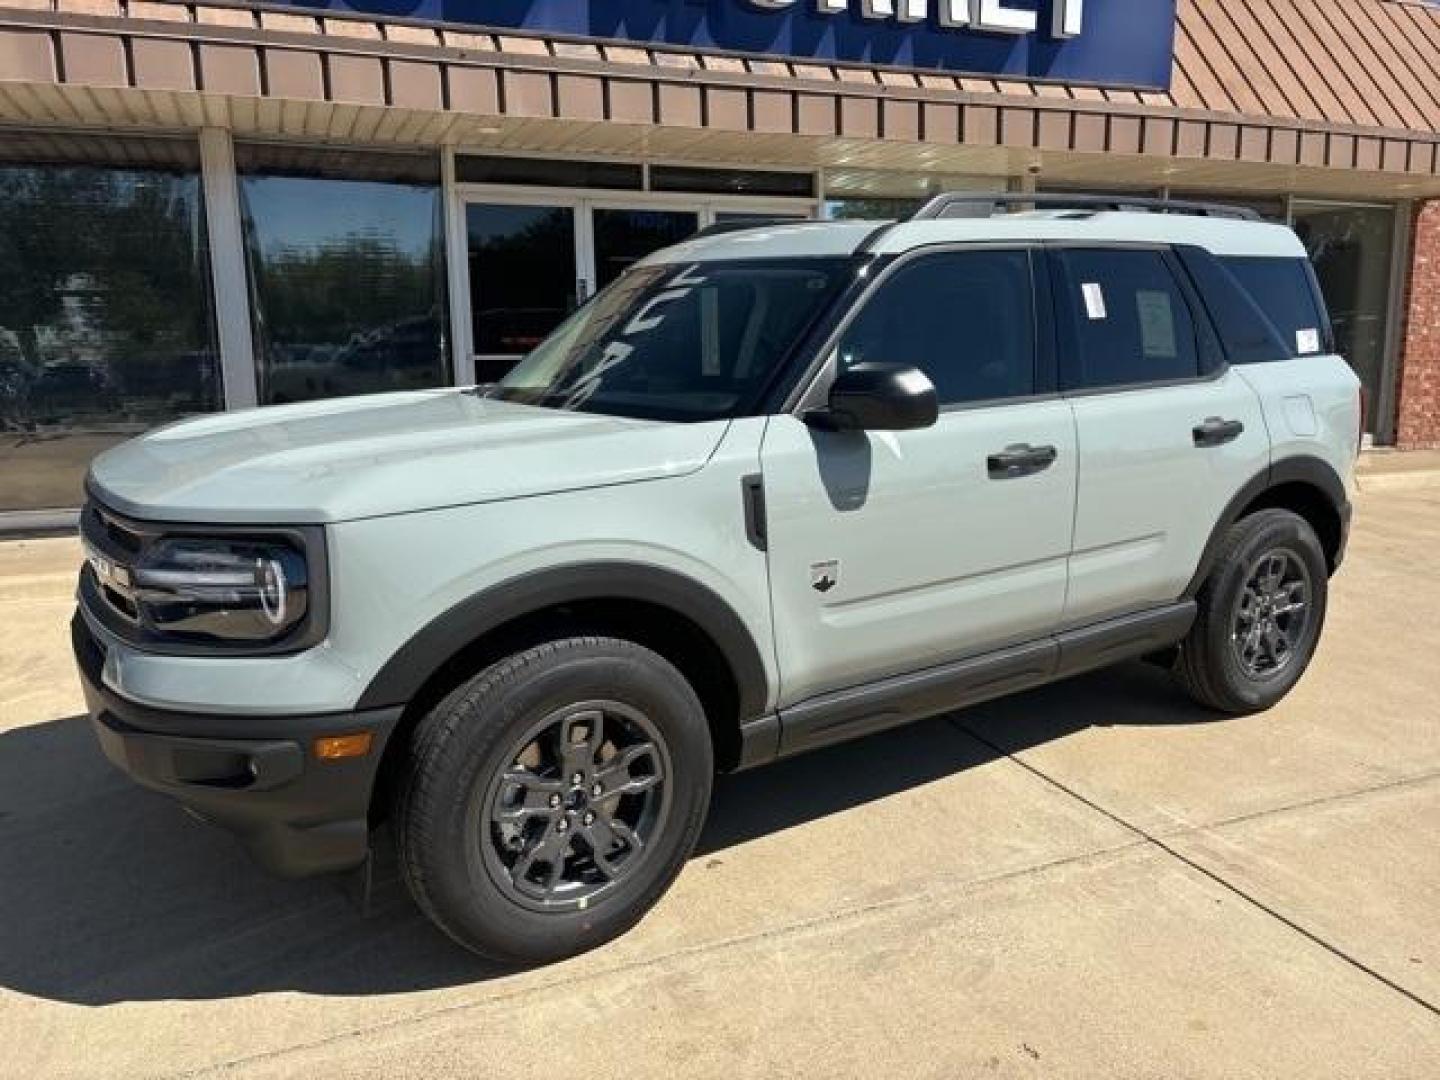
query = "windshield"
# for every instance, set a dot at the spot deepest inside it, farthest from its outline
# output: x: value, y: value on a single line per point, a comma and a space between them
x: 690, y: 341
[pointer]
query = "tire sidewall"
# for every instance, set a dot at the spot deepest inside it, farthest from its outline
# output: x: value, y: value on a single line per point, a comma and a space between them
x: 461, y: 888
x: 1268, y: 531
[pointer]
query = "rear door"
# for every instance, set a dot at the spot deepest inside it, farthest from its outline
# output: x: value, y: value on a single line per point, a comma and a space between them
x: 892, y: 551
x: 1168, y: 435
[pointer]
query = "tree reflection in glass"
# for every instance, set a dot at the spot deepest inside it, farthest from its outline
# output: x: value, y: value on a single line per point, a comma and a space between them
x: 347, y: 285
x: 106, y: 327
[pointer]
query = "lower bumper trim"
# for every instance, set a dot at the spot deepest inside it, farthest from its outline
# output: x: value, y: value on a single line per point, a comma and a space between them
x: 297, y: 815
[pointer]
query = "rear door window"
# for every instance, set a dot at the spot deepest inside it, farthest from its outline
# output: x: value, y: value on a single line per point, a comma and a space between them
x: 1124, y: 319
x: 1282, y: 289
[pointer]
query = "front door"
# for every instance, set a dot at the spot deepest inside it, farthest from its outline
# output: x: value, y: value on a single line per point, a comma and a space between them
x: 894, y: 551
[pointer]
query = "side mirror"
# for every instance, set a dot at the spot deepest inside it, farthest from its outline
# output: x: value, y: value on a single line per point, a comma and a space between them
x: 878, y: 397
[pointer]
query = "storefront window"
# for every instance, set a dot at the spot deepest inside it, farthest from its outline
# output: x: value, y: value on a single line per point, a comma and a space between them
x: 865, y: 209
x: 106, y: 327
x: 347, y: 271
x: 1351, y: 247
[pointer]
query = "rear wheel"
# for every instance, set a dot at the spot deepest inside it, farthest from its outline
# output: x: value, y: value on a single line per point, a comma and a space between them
x: 1260, y: 614
x: 552, y: 799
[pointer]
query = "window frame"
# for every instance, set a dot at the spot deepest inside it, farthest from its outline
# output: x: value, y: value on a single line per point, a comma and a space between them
x: 1211, y: 362
x: 813, y: 388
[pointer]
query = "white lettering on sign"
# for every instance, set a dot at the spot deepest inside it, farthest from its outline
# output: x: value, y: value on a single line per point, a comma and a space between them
x: 991, y: 16
x: 906, y: 11
x: 1067, y: 19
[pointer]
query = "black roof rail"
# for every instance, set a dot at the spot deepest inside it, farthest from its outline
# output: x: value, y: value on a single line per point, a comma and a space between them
x: 969, y: 204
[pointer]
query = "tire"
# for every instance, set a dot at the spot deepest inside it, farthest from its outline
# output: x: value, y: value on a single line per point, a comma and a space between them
x: 478, y: 826
x: 1224, y: 662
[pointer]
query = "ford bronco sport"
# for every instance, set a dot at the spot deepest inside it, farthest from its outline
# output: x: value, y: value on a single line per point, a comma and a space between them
x: 772, y: 489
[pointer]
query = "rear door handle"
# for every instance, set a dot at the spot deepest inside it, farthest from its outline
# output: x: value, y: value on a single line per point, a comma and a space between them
x: 1021, y: 459
x: 1214, y: 431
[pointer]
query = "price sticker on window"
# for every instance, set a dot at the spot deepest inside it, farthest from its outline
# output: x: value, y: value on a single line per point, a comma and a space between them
x: 1094, y: 299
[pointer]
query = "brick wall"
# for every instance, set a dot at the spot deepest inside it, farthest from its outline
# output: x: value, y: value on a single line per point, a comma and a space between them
x: 1419, y: 397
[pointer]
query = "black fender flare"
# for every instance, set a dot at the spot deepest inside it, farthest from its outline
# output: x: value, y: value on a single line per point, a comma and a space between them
x: 1304, y: 469
x: 413, y: 664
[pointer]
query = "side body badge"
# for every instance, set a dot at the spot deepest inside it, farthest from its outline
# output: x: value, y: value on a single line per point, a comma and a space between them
x: 824, y: 576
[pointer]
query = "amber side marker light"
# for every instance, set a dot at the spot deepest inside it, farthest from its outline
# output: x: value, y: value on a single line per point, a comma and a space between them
x: 337, y: 747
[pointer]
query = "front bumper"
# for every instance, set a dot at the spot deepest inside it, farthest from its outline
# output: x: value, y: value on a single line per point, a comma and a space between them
x: 253, y: 775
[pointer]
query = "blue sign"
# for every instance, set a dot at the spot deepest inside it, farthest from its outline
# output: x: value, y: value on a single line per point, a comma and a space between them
x: 1106, y: 42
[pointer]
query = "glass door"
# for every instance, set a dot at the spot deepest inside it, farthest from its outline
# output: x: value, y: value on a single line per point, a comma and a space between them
x: 623, y: 235
x: 531, y: 258
x: 1352, y: 247
x: 525, y: 276
x: 530, y: 262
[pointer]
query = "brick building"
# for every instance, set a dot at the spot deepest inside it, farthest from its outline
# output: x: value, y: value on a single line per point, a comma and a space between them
x: 212, y: 205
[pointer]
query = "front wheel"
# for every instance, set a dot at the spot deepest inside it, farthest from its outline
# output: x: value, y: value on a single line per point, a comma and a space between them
x: 1260, y: 613
x: 552, y: 799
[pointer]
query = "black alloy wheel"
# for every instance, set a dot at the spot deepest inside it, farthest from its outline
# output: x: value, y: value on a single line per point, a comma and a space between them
x: 580, y: 802
x: 1271, y: 613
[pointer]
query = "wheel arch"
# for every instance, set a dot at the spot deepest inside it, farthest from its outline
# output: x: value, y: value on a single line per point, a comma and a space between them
x: 1304, y: 485
x: 681, y: 619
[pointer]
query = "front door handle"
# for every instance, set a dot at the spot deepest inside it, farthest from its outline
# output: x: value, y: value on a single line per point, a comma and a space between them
x: 1214, y: 431
x: 1021, y: 459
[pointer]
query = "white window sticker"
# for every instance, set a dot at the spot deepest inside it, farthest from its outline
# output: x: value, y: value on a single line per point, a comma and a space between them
x: 1157, y: 324
x: 1094, y: 300
x: 1307, y: 341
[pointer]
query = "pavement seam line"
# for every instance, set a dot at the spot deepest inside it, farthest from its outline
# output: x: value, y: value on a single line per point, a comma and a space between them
x: 1304, y: 804
x: 641, y: 963
x: 1157, y: 841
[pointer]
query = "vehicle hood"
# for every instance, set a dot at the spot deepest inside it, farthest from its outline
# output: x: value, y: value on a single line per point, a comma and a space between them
x: 359, y: 457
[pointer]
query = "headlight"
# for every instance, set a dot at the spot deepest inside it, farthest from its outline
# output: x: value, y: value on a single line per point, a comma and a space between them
x: 228, y: 590
x: 198, y: 589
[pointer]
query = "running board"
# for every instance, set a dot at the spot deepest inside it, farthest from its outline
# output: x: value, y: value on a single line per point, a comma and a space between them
x: 900, y: 699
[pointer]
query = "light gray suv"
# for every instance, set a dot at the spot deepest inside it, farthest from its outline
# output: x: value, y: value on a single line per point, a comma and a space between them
x: 773, y: 489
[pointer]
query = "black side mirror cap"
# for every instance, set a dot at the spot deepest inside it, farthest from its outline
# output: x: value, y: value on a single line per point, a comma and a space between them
x: 878, y: 397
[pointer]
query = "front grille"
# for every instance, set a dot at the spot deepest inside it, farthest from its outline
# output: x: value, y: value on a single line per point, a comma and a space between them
x: 111, y: 549
x: 121, y: 536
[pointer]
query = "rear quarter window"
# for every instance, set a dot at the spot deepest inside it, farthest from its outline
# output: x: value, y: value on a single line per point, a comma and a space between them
x: 1282, y: 288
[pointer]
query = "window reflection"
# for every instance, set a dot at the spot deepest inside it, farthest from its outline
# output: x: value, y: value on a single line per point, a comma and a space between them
x: 346, y: 264
x: 868, y: 209
x: 106, y: 326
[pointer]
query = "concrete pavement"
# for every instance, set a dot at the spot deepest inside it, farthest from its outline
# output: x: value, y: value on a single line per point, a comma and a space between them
x: 1095, y: 879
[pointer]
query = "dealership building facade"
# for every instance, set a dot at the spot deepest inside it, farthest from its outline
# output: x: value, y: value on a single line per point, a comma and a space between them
x: 210, y: 206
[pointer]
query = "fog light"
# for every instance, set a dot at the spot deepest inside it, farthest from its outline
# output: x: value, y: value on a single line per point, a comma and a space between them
x: 336, y: 747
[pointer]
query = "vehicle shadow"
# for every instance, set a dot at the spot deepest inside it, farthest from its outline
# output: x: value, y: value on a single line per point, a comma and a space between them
x: 109, y: 893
